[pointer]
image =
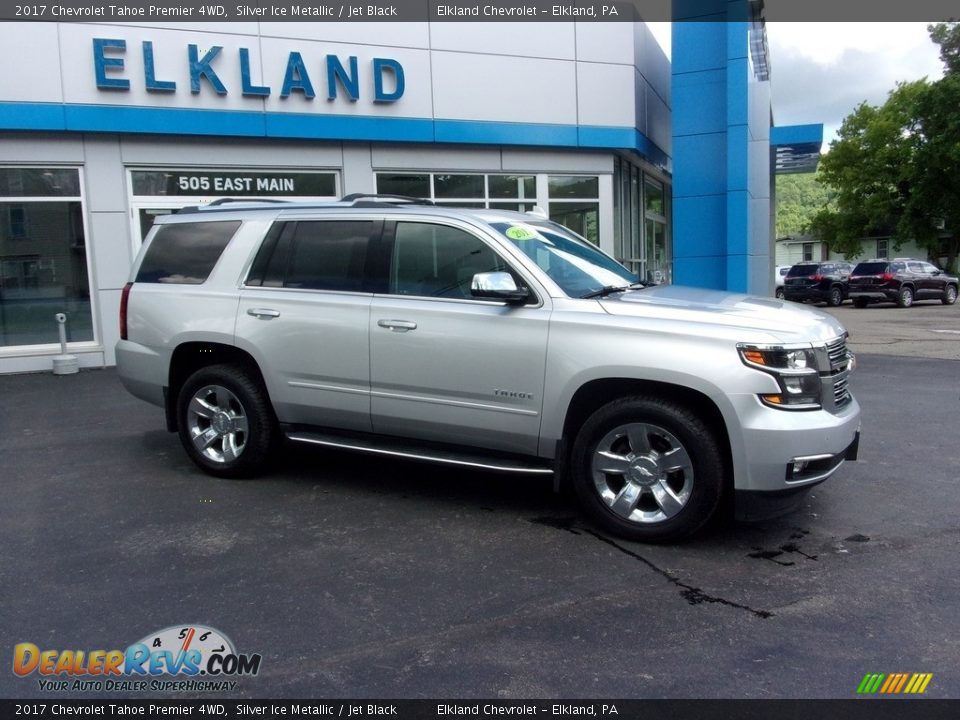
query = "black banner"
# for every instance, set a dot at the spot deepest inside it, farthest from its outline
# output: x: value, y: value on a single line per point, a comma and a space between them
x: 859, y: 709
x: 472, y: 10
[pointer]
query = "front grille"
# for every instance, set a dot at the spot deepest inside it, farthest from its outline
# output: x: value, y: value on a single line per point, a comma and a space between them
x: 837, y: 353
x: 841, y: 393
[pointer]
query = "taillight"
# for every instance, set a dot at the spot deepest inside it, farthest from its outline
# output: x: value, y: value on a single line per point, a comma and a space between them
x: 124, y: 298
x: 816, y: 278
x: 887, y: 277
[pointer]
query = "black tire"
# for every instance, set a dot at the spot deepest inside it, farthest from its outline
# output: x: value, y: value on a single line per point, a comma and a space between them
x: 835, y: 298
x: 779, y: 293
x: 860, y: 302
x: 225, y: 420
x: 905, y: 297
x: 949, y: 296
x: 647, y: 511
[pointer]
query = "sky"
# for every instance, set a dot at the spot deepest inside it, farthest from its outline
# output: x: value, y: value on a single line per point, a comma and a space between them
x: 820, y: 72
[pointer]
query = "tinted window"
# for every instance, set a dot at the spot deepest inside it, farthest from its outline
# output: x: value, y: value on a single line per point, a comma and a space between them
x: 802, y: 270
x: 328, y: 255
x: 870, y: 268
x: 438, y: 261
x: 915, y: 267
x: 185, y: 252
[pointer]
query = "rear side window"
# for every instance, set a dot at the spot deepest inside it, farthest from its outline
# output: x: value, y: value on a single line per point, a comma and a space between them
x: 185, y: 253
x: 803, y: 270
x: 316, y: 255
x: 870, y: 268
x: 329, y: 255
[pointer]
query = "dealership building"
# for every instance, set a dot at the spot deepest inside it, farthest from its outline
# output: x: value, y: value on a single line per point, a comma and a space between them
x: 105, y: 127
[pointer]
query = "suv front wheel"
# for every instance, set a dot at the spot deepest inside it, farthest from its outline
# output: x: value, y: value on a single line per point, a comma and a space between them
x: 949, y: 295
x: 225, y: 421
x: 647, y: 469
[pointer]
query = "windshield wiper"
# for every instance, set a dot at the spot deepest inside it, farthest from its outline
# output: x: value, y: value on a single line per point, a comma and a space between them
x: 610, y: 289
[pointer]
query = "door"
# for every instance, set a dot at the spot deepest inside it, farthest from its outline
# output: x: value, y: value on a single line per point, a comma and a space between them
x: 304, y: 315
x: 445, y: 366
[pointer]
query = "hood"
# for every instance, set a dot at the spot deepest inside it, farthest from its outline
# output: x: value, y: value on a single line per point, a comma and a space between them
x: 749, y: 318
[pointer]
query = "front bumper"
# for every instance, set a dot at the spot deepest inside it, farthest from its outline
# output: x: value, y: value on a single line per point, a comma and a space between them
x: 874, y: 295
x: 801, y: 294
x: 754, y: 505
x: 771, y: 441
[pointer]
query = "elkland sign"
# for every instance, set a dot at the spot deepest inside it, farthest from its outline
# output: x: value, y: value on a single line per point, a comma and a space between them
x: 335, y: 77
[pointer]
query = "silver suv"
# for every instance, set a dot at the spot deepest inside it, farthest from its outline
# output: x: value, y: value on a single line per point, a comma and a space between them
x: 483, y: 339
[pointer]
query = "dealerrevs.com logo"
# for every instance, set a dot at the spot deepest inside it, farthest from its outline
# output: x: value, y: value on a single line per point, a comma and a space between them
x: 181, y: 657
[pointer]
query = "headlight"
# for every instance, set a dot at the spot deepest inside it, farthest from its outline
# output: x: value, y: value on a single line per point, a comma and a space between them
x: 795, y: 371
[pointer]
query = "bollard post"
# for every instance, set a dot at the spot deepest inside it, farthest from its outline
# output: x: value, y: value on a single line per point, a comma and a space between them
x: 64, y: 363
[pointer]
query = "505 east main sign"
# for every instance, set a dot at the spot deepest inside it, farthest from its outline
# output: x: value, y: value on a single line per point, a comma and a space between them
x: 338, y: 76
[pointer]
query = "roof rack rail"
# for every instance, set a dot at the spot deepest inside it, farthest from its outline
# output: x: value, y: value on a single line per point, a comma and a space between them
x: 226, y: 200
x: 220, y: 202
x: 375, y: 200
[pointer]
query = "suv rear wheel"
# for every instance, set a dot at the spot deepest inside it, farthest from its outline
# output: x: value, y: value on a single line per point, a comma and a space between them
x: 860, y: 302
x: 949, y: 295
x: 835, y: 299
x: 225, y: 421
x: 647, y: 469
x: 905, y: 297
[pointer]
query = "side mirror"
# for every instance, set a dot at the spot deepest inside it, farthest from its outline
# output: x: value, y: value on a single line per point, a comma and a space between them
x: 498, y: 286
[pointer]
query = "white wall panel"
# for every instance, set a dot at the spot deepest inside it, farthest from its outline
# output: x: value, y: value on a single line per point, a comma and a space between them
x: 609, y: 42
x: 505, y: 89
x: 109, y: 245
x: 425, y: 157
x: 29, y: 61
x: 520, y: 39
x: 106, y: 189
x: 385, y: 34
x: 598, y: 103
x: 187, y: 152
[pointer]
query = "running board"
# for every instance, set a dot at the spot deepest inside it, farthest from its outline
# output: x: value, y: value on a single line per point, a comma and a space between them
x: 397, y: 448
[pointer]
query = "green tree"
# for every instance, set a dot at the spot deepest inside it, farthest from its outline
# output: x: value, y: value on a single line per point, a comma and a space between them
x: 799, y: 197
x: 896, y: 168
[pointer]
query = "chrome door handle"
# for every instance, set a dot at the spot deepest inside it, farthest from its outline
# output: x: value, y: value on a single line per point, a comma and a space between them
x: 397, y: 325
x: 263, y: 313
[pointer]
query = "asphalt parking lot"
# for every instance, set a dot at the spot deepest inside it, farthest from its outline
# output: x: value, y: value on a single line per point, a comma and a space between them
x: 356, y: 577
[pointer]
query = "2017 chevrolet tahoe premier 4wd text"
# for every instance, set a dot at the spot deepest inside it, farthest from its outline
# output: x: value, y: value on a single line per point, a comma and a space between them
x: 487, y: 339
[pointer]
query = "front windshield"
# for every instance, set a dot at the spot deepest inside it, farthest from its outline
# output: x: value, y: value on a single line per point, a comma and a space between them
x: 570, y: 261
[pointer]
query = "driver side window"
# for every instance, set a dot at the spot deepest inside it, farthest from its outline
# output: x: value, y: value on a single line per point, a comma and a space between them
x: 438, y: 261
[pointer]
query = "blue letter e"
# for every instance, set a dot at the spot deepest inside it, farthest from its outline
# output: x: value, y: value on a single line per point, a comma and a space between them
x: 101, y: 64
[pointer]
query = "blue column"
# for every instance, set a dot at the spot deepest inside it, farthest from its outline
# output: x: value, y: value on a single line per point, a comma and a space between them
x: 712, y: 198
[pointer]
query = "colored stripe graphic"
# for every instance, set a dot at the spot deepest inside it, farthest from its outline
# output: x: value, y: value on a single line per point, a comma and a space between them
x: 894, y: 683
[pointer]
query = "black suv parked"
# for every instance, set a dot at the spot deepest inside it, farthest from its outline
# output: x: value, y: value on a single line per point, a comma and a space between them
x: 901, y: 281
x: 820, y: 282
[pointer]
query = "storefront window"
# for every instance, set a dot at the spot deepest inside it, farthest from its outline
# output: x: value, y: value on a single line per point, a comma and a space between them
x: 575, y: 203
x: 502, y: 192
x: 43, y: 257
x: 458, y: 186
x: 573, y: 186
x: 642, y: 220
x: 512, y: 186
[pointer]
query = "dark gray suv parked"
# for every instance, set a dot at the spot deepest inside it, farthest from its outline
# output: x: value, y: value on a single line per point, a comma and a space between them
x: 818, y: 282
x: 900, y: 281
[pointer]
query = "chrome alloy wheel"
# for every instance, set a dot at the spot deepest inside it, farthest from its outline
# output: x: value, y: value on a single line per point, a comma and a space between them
x: 643, y: 473
x: 217, y: 424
